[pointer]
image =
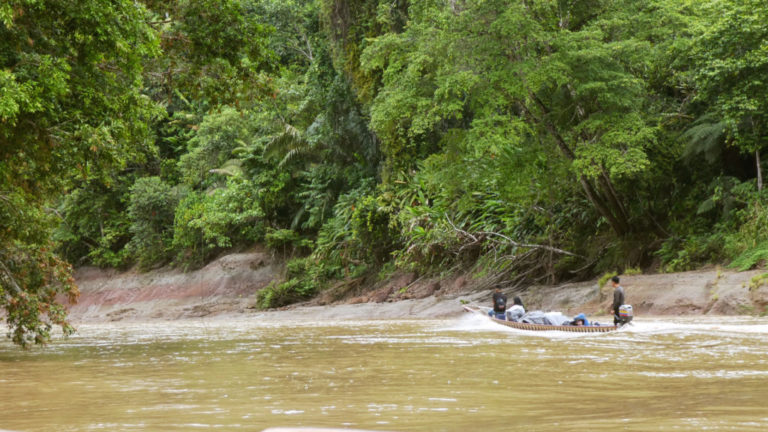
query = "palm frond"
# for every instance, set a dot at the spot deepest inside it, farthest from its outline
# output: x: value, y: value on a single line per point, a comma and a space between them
x: 287, y: 145
x: 231, y: 168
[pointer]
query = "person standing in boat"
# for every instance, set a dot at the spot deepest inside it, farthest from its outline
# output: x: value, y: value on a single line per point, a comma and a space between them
x: 618, y: 298
x: 499, y: 304
x: 516, y: 311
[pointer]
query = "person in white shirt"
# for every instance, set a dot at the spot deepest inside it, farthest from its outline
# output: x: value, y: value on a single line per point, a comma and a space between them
x: 516, y: 311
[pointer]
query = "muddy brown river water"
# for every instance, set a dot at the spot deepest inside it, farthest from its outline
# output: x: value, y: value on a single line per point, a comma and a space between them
x: 462, y: 374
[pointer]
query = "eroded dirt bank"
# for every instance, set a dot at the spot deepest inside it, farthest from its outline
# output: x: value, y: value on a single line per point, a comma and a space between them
x: 226, y: 289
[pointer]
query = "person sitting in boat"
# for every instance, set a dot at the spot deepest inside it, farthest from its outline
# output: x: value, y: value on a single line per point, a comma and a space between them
x: 516, y: 311
x: 499, y: 304
x: 580, y: 320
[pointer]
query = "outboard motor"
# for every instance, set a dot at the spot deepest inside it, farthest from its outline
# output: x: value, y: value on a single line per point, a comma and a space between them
x: 625, y: 314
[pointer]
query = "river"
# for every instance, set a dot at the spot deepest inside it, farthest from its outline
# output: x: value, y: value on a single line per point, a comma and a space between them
x: 461, y: 374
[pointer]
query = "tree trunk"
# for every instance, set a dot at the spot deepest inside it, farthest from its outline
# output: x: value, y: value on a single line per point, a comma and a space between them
x: 610, y: 208
x: 759, y: 171
x: 620, y: 227
x: 613, y: 197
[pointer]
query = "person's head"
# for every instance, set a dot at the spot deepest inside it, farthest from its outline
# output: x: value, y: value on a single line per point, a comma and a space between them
x: 578, y: 322
x: 497, y: 289
x: 517, y: 301
x: 615, y: 280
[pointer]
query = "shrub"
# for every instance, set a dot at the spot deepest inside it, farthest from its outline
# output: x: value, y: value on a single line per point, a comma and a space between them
x: 303, y: 278
x: 605, y: 278
x: 758, y: 281
x: 284, y: 293
x: 206, y: 223
x: 338, y: 246
x: 682, y: 254
x: 748, y: 247
x: 738, y: 235
x: 371, y: 225
x: 751, y: 257
x: 287, y: 241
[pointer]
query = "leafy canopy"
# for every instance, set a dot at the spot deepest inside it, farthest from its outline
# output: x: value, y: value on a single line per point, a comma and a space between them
x: 70, y: 107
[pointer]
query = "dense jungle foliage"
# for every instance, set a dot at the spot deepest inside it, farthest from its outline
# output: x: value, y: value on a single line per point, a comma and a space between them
x: 534, y: 140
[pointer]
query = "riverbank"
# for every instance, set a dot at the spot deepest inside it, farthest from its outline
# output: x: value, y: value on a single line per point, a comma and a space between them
x: 226, y: 288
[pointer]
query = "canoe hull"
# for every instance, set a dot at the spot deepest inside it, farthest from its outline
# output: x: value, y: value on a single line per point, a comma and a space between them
x: 542, y: 327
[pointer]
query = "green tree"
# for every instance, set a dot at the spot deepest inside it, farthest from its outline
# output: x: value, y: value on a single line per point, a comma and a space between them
x: 572, y: 76
x: 70, y: 106
x: 95, y: 224
x: 214, y: 52
x: 732, y: 75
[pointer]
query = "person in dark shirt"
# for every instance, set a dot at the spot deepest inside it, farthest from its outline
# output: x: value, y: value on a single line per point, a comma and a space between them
x: 499, y: 304
x: 618, y: 298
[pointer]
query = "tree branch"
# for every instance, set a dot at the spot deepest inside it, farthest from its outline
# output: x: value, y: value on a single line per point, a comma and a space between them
x: 12, y: 282
x: 475, y: 240
x: 531, y: 245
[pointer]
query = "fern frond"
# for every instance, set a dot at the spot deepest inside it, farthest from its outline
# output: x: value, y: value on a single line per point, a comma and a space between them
x: 705, y: 136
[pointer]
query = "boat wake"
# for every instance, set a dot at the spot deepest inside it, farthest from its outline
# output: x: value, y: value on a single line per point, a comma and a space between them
x: 475, y: 322
x: 708, y: 325
x: 641, y: 327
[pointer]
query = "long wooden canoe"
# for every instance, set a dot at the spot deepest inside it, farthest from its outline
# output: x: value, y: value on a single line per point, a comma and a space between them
x: 541, y: 327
